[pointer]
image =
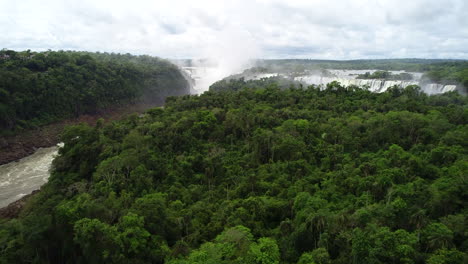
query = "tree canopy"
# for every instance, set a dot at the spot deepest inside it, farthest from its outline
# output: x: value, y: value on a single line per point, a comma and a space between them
x: 258, y: 175
x: 41, y: 87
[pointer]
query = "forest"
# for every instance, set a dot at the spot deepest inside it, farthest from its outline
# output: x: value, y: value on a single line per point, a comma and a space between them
x: 255, y: 172
x: 38, y: 88
x: 385, y: 75
x: 412, y: 65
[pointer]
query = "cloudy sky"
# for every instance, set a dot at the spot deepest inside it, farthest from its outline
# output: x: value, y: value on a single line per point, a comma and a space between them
x: 322, y: 29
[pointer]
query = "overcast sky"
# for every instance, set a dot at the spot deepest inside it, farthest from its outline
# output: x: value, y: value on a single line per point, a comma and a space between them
x: 253, y: 28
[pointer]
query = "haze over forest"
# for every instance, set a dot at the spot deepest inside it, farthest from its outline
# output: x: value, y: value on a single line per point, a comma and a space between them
x: 234, y: 132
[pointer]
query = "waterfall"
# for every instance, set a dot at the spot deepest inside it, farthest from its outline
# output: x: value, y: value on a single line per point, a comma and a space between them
x: 435, y: 88
x: 348, y: 77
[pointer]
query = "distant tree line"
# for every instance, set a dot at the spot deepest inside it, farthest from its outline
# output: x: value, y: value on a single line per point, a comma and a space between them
x: 41, y: 87
x: 410, y: 65
x: 386, y: 75
x: 435, y: 70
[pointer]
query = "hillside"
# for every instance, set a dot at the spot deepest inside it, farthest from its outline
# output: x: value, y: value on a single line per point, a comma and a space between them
x: 38, y: 88
x: 258, y: 175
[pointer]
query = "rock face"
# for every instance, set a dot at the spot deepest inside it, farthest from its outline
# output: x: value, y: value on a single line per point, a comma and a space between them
x: 13, y: 210
x: 18, y: 146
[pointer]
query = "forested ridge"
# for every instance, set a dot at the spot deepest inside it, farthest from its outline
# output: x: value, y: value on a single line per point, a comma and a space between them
x: 258, y: 175
x: 412, y: 65
x: 385, y: 75
x: 37, y: 88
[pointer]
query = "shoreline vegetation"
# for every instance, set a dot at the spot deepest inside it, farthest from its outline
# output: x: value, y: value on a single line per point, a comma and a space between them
x: 19, y: 146
x: 385, y: 75
x: 26, y: 142
x: 43, y: 92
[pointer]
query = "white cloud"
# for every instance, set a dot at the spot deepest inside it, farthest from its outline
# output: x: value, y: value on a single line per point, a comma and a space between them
x: 231, y: 30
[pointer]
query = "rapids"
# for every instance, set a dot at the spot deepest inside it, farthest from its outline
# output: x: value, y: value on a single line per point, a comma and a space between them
x: 21, y: 177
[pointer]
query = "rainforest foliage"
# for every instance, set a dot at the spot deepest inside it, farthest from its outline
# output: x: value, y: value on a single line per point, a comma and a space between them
x: 39, y: 88
x: 258, y: 175
x: 386, y: 75
x: 451, y: 74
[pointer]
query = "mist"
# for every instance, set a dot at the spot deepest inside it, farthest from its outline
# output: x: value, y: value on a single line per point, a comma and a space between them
x: 232, y: 51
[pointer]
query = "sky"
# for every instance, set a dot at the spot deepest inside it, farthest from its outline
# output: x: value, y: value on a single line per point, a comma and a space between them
x: 312, y: 29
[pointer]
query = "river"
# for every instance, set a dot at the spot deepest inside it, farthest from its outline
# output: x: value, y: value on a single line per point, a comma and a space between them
x: 21, y: 177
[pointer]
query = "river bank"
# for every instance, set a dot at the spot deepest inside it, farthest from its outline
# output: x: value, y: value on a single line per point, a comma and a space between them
x: 14, y: 209
x: 13, y: 148
x: 16, y: 149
